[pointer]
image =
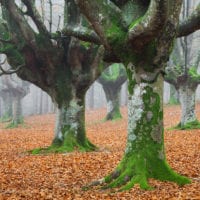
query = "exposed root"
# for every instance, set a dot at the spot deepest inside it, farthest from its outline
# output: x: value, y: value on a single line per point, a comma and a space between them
x: 132, y: 171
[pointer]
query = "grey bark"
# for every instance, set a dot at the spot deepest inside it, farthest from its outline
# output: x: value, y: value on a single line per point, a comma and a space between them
x: 187, y: 100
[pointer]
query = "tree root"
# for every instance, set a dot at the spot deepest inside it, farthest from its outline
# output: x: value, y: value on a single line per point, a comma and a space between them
x: 132, y: 171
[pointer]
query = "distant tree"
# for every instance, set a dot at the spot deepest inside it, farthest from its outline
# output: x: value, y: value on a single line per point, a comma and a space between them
x: 182, y: 74
x: 62, y: 66
x: 12, y: 91
x: 111, y: 80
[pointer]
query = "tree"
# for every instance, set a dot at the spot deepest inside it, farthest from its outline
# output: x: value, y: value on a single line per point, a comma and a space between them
x: 111, y: 80
x: 183, y: 75
x: 140, y: 35
x: 12, y: 91
x: 62, y: 66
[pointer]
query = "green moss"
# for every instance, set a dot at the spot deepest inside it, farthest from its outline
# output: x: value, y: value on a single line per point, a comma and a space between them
x: 136, y: 22
x: 146, y: 158
x: 14, y: 124
x: 188, y: 126
x: 131, y: 81
x: 87, y: 45
x: 113, y: 72
x: 173, y: 101
x: 194, y: 74
x: 115, y: 115
x: 69, y: 144
x: 13, y: 53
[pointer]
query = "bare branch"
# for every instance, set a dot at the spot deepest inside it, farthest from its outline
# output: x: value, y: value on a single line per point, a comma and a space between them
x: 150, y: 24
x: 34, y: 14
x: 103, y: 16
x: 82, y: 33
x: 18, y: 18
x: 10, y: 71
x: 51, y: 15
x: 191, y: 24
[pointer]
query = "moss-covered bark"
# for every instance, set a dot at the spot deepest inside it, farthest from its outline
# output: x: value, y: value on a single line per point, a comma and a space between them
x: 144, y: 156
x: 70, y: 131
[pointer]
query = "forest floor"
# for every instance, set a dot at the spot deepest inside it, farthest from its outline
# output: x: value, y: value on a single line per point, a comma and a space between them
x: 57, y: 177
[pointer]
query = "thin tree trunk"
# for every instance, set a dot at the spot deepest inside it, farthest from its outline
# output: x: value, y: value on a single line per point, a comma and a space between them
x: 174, y: 95
x: 187, y: 100
x: 16, y: 111
x: 113, y: 102
x: 7, y: 107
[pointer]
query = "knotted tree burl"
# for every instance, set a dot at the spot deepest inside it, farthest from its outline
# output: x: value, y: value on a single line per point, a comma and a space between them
x: 139, y: 34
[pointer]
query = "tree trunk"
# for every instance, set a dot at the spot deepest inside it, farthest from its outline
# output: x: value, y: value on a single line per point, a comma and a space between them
x: 7, y: 107
x: 174, y: 95
x: 144, y: 156
x: 187, y: 100
x: 70, y: 131
x: 16, y: 111
x: 113, y: 101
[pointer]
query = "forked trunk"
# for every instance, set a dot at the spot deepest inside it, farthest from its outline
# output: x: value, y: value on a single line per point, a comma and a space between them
x: 144, y: 156
x: 187, y: 100
x: 70, y: 131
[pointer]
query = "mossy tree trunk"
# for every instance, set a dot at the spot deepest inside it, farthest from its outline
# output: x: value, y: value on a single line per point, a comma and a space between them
x: 144, y: 156
x: 144, y: 40
x: 70, y: 131
x: 187, y: 100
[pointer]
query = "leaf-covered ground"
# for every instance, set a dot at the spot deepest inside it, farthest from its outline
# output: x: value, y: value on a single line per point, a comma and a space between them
x: 58, y: 177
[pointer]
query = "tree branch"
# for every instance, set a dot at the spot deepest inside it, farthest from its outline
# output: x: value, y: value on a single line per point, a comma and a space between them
x: 103, y: 16
x: 10, y: 71
x: 17, y: 17
x: 82, y: 33
x: 34, y: 14
x: 191, y: 24
x: 150, y: 24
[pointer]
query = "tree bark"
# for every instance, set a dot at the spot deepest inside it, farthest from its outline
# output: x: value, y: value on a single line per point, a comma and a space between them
x: 113, y: 101
x: 187, y: 100
x: 144, y: 156
x: 17, y: 117
x: 7, y: 106
x: 70, y: 131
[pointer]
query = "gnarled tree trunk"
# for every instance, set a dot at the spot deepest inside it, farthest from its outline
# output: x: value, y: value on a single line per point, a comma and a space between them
x: 144, y: 156
x: 70, y: 131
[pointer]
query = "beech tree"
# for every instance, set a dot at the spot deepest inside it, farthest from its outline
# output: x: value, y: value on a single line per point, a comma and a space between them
x: 12, y: 91
x: 62, y: 66
x: 140, y: 35
x: 111, y: 80
x: 182, y: 74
